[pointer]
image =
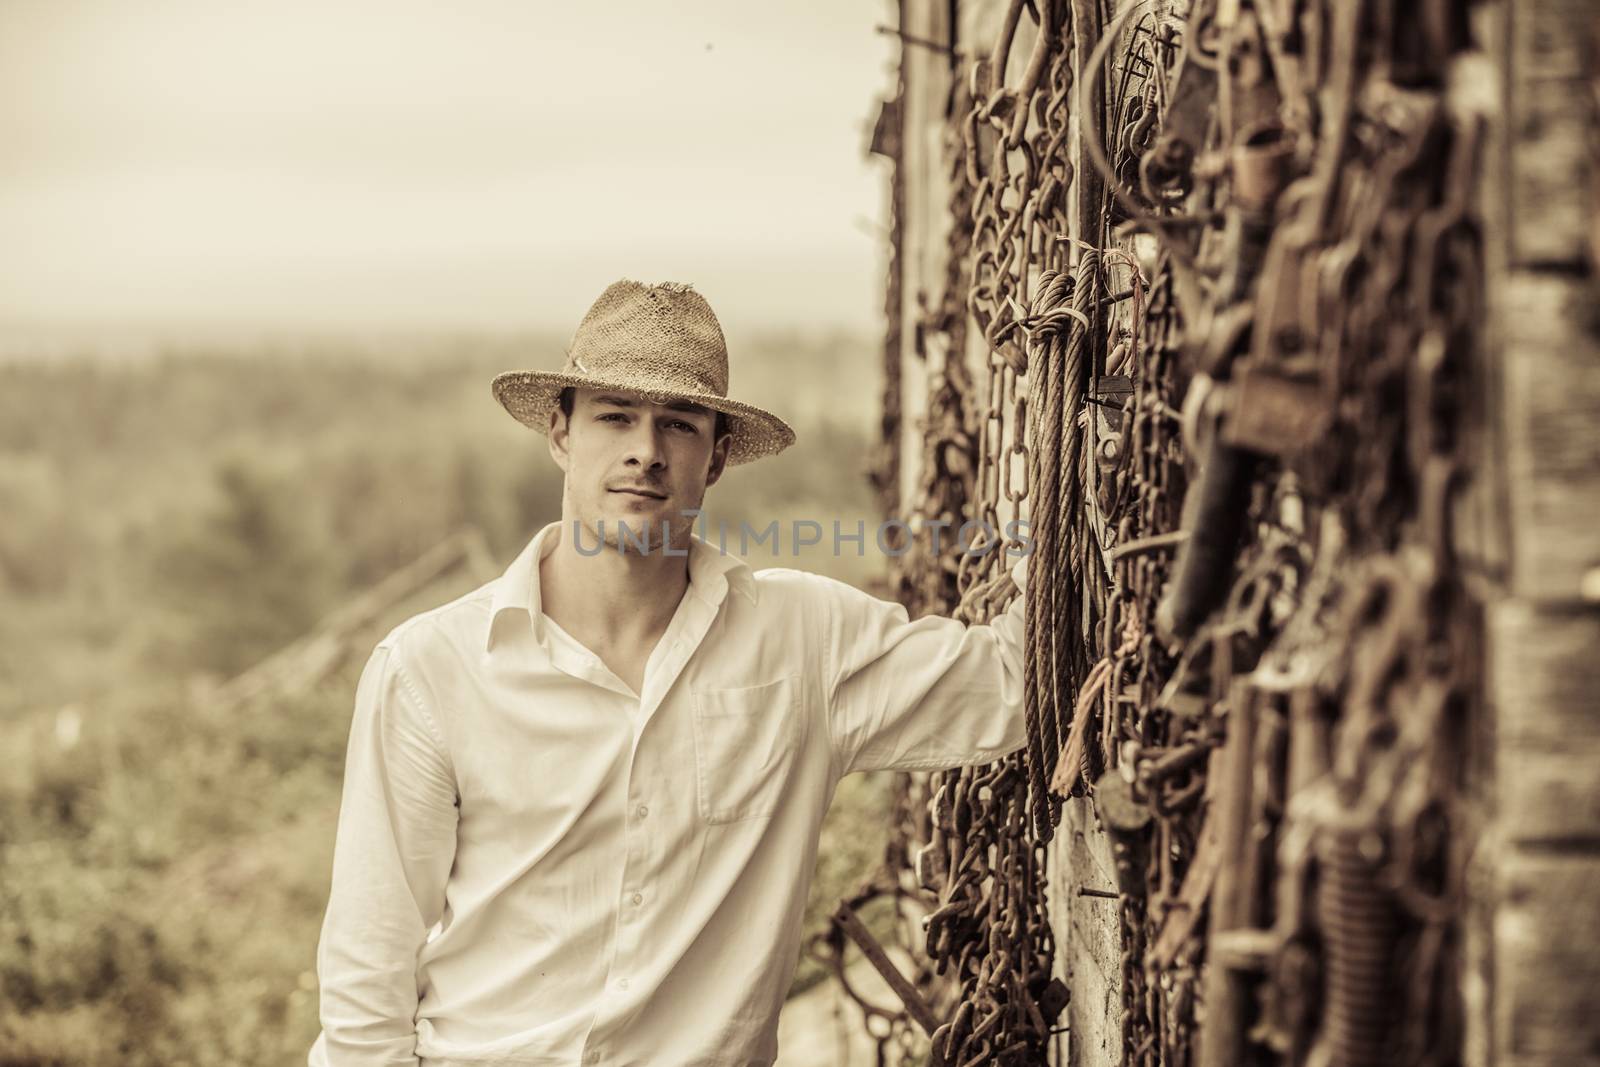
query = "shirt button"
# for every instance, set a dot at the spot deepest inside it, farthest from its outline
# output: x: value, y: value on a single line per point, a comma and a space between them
x: 637, y: 898
x: 622, y: 983
x: 641, y: 811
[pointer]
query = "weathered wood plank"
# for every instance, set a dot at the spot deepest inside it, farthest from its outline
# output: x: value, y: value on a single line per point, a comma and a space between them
x: 1549, y: 126
x: 1548, y: 969
x: 1546, y: 674
x: 1089, y: 937
x: 1545, y: 679
x: 1542, y: 968
x: 1551, y: 376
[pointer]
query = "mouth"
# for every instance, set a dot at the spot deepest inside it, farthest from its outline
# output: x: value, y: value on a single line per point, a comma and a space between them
x: 642, y: 493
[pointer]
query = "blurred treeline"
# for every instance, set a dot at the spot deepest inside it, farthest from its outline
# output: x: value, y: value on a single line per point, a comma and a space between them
x: 167, y: 522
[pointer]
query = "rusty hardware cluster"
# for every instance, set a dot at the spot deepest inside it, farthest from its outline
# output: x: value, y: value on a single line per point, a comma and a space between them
x: 1226, y: 355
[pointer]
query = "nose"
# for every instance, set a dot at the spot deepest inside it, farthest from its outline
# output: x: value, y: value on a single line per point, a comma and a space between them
x: 644, y: 449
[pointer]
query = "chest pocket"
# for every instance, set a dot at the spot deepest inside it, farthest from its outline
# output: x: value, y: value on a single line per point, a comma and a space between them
x: 745, y: 743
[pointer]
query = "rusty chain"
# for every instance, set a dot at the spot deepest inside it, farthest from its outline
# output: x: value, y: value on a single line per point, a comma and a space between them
x: 1236, y: 406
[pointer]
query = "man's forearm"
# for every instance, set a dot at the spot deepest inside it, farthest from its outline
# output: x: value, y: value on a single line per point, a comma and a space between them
x: 392, y: 857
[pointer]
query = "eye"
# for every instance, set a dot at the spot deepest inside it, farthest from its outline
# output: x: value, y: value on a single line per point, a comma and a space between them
x: 610, y: 415
x: 680, y: 424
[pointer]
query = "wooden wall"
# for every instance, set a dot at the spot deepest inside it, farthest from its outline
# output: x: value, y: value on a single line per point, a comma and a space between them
x: 1543, y: 867
x: 1536, y: 970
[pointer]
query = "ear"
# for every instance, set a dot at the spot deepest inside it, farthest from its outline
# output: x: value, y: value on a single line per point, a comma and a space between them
x: 719, y: 458
x: 559, y: 438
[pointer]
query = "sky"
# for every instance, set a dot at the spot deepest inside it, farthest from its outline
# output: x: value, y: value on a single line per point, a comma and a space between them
x: 479, y: 164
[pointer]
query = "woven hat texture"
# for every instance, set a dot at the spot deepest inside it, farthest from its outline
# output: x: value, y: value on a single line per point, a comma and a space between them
x: 659, y: 341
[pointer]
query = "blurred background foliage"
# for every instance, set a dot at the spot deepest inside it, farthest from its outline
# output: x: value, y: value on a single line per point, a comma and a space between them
x: 167, y: 522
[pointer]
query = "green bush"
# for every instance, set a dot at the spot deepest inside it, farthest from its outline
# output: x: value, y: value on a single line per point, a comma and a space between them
x: 245, y: 578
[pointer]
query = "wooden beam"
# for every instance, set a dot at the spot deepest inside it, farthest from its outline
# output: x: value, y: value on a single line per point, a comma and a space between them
x: 1551, y: 373
x: 1542, y: 870
x: 1545, y: 681
x: 1550, y: 120
x: 1547, y: 967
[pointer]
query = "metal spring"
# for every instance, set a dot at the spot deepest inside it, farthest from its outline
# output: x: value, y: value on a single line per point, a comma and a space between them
x: 1358, y: 927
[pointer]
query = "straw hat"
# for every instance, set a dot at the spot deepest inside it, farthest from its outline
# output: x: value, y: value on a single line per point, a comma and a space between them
x: 659, y: 341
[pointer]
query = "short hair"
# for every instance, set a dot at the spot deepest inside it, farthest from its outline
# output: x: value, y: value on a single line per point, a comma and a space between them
x: 568, y: 394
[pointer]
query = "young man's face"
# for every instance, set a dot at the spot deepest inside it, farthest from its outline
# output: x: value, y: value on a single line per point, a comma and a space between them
x: 631, y: 462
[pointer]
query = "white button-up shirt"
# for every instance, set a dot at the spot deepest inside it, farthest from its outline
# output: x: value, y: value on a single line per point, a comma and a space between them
x: 536, y: 865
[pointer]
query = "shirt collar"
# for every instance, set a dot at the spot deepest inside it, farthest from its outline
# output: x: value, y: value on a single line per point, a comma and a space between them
x: 712, y: 572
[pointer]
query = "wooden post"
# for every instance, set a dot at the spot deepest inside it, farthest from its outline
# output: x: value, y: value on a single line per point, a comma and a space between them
x: 1543, y: 866
x: 1222, y: 1038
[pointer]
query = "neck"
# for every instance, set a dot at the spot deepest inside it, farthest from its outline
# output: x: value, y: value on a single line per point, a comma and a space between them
x: 610, y: 599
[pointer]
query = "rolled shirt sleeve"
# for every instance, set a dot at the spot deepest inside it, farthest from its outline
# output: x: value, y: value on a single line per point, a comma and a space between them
x: 926, y: 694
x: 393, y: 852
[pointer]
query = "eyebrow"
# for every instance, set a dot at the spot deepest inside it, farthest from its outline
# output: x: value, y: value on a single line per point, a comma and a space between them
x: 676, y: 405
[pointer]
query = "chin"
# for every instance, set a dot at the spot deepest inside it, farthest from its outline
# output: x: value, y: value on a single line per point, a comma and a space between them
x: 640, y: 527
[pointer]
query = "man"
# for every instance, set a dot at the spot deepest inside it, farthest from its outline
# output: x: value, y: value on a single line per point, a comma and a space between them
x: 581, y: 803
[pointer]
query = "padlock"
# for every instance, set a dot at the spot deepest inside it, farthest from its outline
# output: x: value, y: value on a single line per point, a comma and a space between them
x: 1271, y: 413
x: 1127, y: 823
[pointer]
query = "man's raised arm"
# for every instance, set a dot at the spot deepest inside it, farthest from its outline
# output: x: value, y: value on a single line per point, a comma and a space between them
x: 395, y: 845
x: 926, y: 694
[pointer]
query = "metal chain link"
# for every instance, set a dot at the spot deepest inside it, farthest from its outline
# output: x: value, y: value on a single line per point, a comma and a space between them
x: 1288, y: 349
